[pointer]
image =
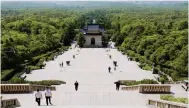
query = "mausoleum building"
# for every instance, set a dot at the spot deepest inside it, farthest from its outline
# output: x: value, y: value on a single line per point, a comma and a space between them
x: 93, y: 35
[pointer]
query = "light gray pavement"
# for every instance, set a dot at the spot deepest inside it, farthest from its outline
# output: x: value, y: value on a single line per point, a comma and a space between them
x: 89, y: 65
x: 97, y: 88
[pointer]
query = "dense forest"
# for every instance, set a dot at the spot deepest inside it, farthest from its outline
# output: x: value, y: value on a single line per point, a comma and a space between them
x: 33, y: 36
x: 145, y: 32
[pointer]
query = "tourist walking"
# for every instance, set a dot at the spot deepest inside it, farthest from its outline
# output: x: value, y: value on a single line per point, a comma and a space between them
x: 76, y: 85
x: 62, y: 64
x: 48, y: 96
x: 115, y: 63
x: 38, y: 97
x: 118, y: 83
x: 109, y: 69
x: 110, y: 56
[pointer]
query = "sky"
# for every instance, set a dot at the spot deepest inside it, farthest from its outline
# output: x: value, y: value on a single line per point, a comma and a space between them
x: 93, y: 0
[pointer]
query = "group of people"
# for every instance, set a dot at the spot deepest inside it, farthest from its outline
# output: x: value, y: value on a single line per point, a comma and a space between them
x: 48, y: 96
x: 115, y: 65
x: 118, y: 83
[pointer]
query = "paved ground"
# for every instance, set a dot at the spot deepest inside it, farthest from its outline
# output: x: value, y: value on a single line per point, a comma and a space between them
x: 97, y: 89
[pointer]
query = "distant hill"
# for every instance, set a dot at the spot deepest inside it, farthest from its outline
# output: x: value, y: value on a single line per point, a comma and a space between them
x: 93, y: 4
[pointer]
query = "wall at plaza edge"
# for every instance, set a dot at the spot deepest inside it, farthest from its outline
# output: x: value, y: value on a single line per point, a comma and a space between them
x: 98, y: 40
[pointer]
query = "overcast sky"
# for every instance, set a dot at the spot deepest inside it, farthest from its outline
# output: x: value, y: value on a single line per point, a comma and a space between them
x: 93, y: 0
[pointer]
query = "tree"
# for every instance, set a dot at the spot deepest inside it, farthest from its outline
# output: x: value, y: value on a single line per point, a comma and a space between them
x: 119, y: 40
x: 105, y: 40
x: 80, y: 39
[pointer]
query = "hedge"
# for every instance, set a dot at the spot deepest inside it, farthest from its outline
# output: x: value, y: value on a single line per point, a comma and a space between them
x: 17, y: 80
x: 144, y: 81
x: 47, y: 82
x: 174, y: 99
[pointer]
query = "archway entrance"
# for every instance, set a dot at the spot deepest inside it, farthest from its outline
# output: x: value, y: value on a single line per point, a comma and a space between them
x: 92, y: 41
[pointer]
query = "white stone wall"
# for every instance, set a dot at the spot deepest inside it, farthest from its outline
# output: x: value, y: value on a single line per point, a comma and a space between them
x: 97, y: 40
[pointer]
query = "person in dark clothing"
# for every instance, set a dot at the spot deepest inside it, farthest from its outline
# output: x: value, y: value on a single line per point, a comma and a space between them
x: 62, y: 64
x: 115, y: 63
x: 118, y: 83
x: 76, y: 85
x: 109, y: 68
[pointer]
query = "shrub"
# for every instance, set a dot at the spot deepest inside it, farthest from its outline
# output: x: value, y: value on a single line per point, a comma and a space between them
x: 147, y: 67
x: 34, y: 67
x: 144, y: 81
x: 174, y: 99
x: 5, y: 74
x: 155, y: 70
x: 141, y: 65
x: 47, y: 82
x: 16, y: 80
x: 162, y: 80
x: 136, y: 59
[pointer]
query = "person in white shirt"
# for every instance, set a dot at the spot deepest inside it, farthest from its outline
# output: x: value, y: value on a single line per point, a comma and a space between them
x: 38, y: 97
x: 48, y: 96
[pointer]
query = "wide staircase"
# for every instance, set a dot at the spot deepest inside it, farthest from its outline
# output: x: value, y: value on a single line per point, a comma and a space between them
x: 96, y: 84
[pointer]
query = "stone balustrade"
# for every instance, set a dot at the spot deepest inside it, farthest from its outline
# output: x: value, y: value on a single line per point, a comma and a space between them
x: 42, y: 88
x: 6, y: 103
x: 148, y: 88
x: 166, y: 104
x: 15, y: 88
x: 130, y: 88
x: 23, y: 88
x: 154, y: 88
